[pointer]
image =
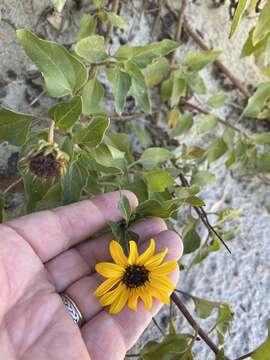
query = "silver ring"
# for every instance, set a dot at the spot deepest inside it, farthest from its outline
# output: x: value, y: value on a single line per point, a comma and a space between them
x: 73, y: 310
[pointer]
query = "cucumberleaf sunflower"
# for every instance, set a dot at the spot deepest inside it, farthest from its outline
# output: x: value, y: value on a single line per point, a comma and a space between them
x: 136, y: 276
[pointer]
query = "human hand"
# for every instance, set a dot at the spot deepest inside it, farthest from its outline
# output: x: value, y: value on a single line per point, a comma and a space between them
x: 42, y: 255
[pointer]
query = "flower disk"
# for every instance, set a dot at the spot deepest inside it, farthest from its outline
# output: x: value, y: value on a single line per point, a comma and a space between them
x: 136, y: 276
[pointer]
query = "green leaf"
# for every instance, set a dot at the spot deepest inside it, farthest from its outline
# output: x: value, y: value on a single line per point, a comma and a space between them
x: 14, y: 126
x: 116, y: 20
x: 92, y: 48
x: 122, y: 142
x: 144, y: 55
x: 205, y: 251
x: 223, y: 322
x: 258, y: 49
x: 52, y: 197
x: 196, y: 83
x: 258, y: 100
x: 173, y: 117
x: 216, y: 149
x: 109, y: 160
x: 139, y: 87
x: 73, y: 182
x: 194, y: 201
x: 178, y: 90
x: 163, y: 209
x: 228, y: 214
x: 35, y: 189
x: 263, y: 163
x: 207, y: 123
x: 63, y: 73
x: 93, y: 93
x: 191, y: 238
x: 204, y: 307
x: 93, y: 134
x: 155, y: 72
x: 125, y: 208
x: 139, y: 188
x: 154, y: 156
x: 203, y: 178
x: 88, y: 25
x: 184, y: 123
x: 66, y: 114
x: 138, y: 130
x: 217, y: 100
x: 237, y: 16
x: 263, y: 351
x: 263, y: 25
x: 121, y: 84
x: 171, y: 348
x: 260, y: 138
x: 198, y: 60
x: 158, y: 180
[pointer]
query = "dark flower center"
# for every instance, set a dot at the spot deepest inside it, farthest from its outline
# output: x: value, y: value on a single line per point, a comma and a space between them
x: 45, y: 167
x: 135, y: 275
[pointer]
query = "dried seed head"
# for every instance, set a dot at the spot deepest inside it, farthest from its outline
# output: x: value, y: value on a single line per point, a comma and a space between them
x: 45, y: 161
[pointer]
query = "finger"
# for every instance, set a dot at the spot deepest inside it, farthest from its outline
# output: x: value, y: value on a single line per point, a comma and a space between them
x: 73, y: 264
x: 122, y: 330
x: 52, y: 231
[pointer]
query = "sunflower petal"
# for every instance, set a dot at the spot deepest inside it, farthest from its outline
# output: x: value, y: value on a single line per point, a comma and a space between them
x: 164, y: 269
x: 117, y: 253
x: 120, y: 302
x: 159, y: 294
x: 111, y: 296
x: 133, y: 253
x: 146, y: 298
x: 147, y: 254
x: 156, y: 259
x: 162, y: 282
x: 106, y: 286
x: 109, y: 270
x: 133, y: 299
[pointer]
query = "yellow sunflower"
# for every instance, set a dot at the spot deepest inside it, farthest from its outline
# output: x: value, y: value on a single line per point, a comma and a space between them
x: 133, y: 277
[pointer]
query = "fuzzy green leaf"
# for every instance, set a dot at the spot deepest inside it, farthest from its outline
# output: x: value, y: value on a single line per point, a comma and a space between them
x: 88, y: 25
x: 172, y: 347
x: 163, y: 209
x: 178, y: 90
x: 154, y: 156
x: 125, y: 208
x: 237, y: 16
x: 207, y: 123
x: 217, y: 100
x: 93, y: 134
x: 203, y: 178
x: 263, y: 25
x: 63, y: 73
x: 92, y: 48
x: 183, y: 124
x: 121, y: 84
x: 14, y: 126
x: 73, y: 182
x: 116, y: 20
x: 66, y: 114
x: 216, y: 149
x: 258, y: 100
x: 158, y: 180
x: 144, y: 55
x: 191, y: 239
x: 198, y: 60
x: 93, y: 93
x: 263, y: 351
x: 155, y: 72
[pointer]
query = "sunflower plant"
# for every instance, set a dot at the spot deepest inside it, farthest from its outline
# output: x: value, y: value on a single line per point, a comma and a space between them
x: 121, y: 120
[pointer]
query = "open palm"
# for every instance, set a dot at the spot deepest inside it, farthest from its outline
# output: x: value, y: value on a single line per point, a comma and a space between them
x: 42, y: 255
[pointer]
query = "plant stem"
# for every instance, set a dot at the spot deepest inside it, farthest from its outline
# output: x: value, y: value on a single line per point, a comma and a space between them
x: 245, y: 356
x: 16, y: 182
x: 203, y: 111
x: 218, y: 63
x: 193, y: 323
x: 115, y: 6
x: 179, y: 28
x: 159, y: 328
x: 51, y: 132
x: 126, y: 117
